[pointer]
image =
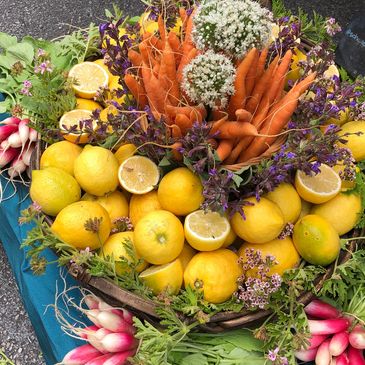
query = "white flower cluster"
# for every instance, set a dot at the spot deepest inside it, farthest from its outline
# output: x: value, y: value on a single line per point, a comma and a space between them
x: 209, y: 79
x: 231, y: 26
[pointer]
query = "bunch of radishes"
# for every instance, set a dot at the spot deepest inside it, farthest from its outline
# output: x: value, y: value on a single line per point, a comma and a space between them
x: 17, y: 141
x: 334, y: 337
x: 111, y: 340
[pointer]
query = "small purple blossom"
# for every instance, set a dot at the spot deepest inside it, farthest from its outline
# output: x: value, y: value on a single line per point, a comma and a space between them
x: 43, y: 67
x: 41, y: 52
x: 332, y: 27
x: 27, y: 85
x: 272, y: 355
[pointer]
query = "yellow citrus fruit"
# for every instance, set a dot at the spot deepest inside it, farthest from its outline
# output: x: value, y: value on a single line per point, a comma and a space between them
x: 113, y: 87
x: 342, y: 119
x: 206, y: 231
x: 115, y: 246
x: 87, y: 104
x: 151, y: 26
x: 306, y: 208
x: 215, y: 273
x: 76, y: 226
x: 62, y: 155
x: 87, y: 78
x: 316, y: 240
x: 295, y: 71
x: 343, y: 211
x: 111, y: 109
x: 331, y: 71
x: 159, y: 237
x: 96, y: 170
x: 180, y: 191
x: 263, y: 221
x: 288, y: 200
x: 284, y: 251
x: 53, y: 189
x: 115, y: 203
x: 164, y: 278
x: 186, y: 255
x: 345, y: 184
x: 141, y: 204
x: 101, y: 63
x: 76, y: 118
x: 355, y: 143
x: 230, y: 238
x: 138, y: 175
x: 318, y: 188
x: 125, y: 151
x: 121, y: 32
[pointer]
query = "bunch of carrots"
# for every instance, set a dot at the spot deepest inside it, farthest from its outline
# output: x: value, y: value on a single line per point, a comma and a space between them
x: 254, y: 122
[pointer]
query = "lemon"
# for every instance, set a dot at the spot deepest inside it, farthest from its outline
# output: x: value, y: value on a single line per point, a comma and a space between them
x: 87, y: 104
x: 62, y: 155
x: 342, y: 211
x: 295, y: 71
x: 111, y: 109
x: 141, y: 204
x: 125, y: 151
x: 355, y: 143
x: 318, y: 188
x: 101, y: 63
x: 53, y: 189
x: 288, y: 200
x: 73, y: 118
x: 215, y: 273
x: 306, y: 208
x: 96, y: 170
x: 206, y: 231
x: 343, y: 117
x: 230, y: 238
x: 115, y: 204
x: 316, y: 240
x: 87, y: 78
x: 151, y: 26
x: 115, y: 246
x: 159, y: 237
x: 186, y: 255
x: 285, y: 254
x: 180, y: 191
x: 331, y: 71
x: 75, y: 225
x: 340, y: 169
x: 164, y: 278
x: 113, y: 87
x: 138, y: 175
x: 263, y: 221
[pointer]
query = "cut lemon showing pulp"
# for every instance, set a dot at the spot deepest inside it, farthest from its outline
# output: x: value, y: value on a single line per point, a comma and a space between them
x: 73, y: 118
x: 206, y: 231
x: 318, y: 188
x: 138, y: 175
x: 88, y: 78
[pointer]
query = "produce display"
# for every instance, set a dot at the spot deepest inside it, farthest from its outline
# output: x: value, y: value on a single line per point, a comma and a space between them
x: 209, y: 159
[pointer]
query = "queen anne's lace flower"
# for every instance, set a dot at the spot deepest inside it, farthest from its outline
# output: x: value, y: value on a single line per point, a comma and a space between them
x: 231, y: 26
x: 209, y: 79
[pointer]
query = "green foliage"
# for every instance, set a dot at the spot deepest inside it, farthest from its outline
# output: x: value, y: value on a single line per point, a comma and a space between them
x: 4, y: 360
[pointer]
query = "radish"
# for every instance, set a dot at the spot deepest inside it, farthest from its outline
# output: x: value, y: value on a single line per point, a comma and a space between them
x: 27, y: 154
x: 96, y: 337
x: 119, y: 358
x: 23, y: 132
x: 14, y: 140
x: 318, y: 309
x: 11, y: 120
x: 92, y: 301
x: 16, y: 168
x: 355, y: 356
x: 323, y: 356
x: 315, y: 341
x: 342, y: 359
x: 327, y: 326
x: 84, y: 332
x: 114, y: 322
x: 92, y: 314
x: 306, y: 355
x: 117, y: 342
x: 357, y: 338
x: 6, y: 156
x: 99, y: 360
x: 339, y: 343
x: 7, y: 130
x: 81, y: 355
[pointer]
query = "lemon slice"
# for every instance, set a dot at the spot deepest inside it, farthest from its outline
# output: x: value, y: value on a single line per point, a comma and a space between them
x: 89, y: 77
x: 72, y: 118
x: 168, y: 277
x: 331, y: 71
x: 138, y: 175
x: 206, y: 231
x: 318, y: 188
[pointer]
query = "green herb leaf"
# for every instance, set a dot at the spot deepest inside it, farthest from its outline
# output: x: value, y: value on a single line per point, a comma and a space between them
x: 7, y: 40
x: 22, y: 51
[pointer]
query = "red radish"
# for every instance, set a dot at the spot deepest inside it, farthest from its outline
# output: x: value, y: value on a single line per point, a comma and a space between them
x: 117, y: 342
x: 339, y: 343
x: 96, y: 337
x: 16, y: 168
x: 323, y: 356
x: 6, y: 156
x: 357, y: 338
x: 84, y: 332
x: 119, y: 358
x: 99, y: 360
x: 327, y: 326
x: 81, y: 355
x: 355, y: 356
x: 315, y: 341
x: 7, y: 130
x: 23, y: 132
x: 318, y: 309
x: 33, y: 135
x: 306, y: 355
x: 342, y: 359
x: 92, y: 301
x: 11, y: 120
x: 14, y: 140
x: 27, y: 154
x: 114, y: 322
x: 92, y: 314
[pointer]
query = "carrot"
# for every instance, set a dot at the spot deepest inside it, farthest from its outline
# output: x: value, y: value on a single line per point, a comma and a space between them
x: 217, y: 124
x: 162, y: 29
x: 261, y: 63
x: 243, y: 115
x: 185, y: 60
x: 188, y: 31
x: 156, y: 69
x: 183, y: 16
x: 146, y: 54
x: 137, y: 90
x: 175, y: 151
x: 251, y: 75
x: 237, y: 150
x: 183, y: 122
x: 237, y: 100
x: 236, y: 129
x: 175, y: 46
x: 303, y: 85
x: 262, y: 111
x: 152, y: 41
x: 195, y: 116
x: 172, y: 111
x: 135, y: 58
x: 224, y: 148
x: 213, y: 143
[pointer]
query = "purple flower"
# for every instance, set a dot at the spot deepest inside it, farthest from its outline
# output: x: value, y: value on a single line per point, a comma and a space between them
x: 332, y: 27
x: 272, y: 355
x: 41, y: 52
x: 27, y: 85
x: 43, y: 67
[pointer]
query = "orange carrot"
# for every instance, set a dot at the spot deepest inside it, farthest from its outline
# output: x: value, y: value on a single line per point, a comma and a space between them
x: 213, y: 143
x: 135, y: 58
x: 217, y: 124
x: 137, y: 90
x: 185, y: 60
x: 175, y: 46
x: 224, y: 148
x: 183, y: 122
x: 152, y: 41
x: 237, y: 150
x: 261, y: 63
x: 195, y: 116
x: 162, y: 29
x: 303, y: 85
x: 188, y: 31
x: 243, y: 115
x: 236, y: 129
x: 175, y: 131
x: 156, y: 69
x: 261, y: 113
x: 172, y: 111
x: 251, y: 75
x: 183, y: 15
x: 146, y: 54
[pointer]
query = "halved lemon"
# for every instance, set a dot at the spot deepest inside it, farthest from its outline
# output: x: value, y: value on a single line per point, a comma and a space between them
x: 88, y: 78
x: 168, y: 277
x: 72, y: 118
x: 138, y: 175
x: 206, y: 231
x: 318, y: 188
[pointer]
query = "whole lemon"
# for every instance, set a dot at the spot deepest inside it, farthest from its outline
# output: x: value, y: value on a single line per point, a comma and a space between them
x: 115, y: 246
x: 288, y: 200
x: 96, y: 170
x: 62, y: 155
x: 87, y: 104
x: 141, y: 204
x: 115, y: 203
x: 284, y: 251
x: 159, y: 237
x: 83, y: 224
x: 53, y: 189
x: 355, y: 142
x: 186, y: 255
x: 215, y: 273
x: 180, y: 191
x: 125, y: 151
x: 263, y: 221
x: 343, y: 211
x: 306, y: 208
x: 316, y: 240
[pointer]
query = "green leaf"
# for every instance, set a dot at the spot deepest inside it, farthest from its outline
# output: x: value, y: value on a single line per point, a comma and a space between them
x: 22, y: 51
x: 7, y: 40
x: 134, y: 20
x: 5, y: 105
x: 165, y: 162
x: 194, y: 359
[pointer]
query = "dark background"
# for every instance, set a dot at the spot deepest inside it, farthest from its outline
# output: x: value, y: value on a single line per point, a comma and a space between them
x: 49, y: 19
